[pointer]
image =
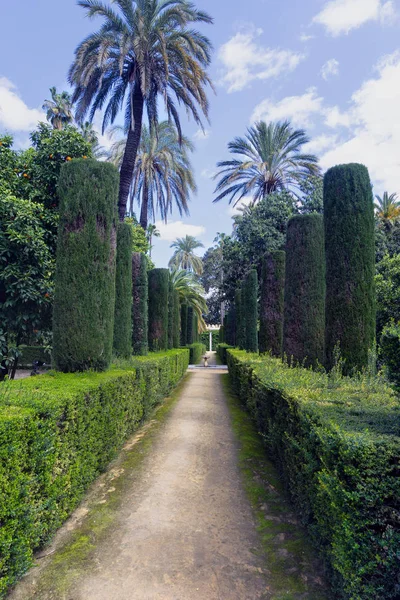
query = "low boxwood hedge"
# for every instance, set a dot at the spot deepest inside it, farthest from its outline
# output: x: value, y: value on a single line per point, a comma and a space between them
x: 57, y: 433
x: 336, y: 442
x: 197, y: 351
x: 221, y: 352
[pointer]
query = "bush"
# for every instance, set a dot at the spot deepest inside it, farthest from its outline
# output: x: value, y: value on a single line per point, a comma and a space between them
x: 350, y: 264
x: 123, y: 292
x: 83, y: 318
x: 189, y: 330
x: 304, y: 312
x: 197, y: 351
x: 171, y: 314
x: 184, y: 324
x: 31, y: 353
x: 140, y: 306
x: 240, y: 320
x: 272, y: 303
x: 158, y: 309
x: 177, y: 321
x: 221, y: 352
x: 249, y: 306
x: 390, y: 350
x: 338, y: 450
x: 230, y: 331
x: 57, y: 433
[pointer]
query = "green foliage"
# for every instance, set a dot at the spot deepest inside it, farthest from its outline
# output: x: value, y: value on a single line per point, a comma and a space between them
x: 390, y: 350
x: 9, y: 167
x: 189, y: 331
x: 221, y: 352
x: 171, y: 314
x: 140, y: 243
x: 204, y: 338
x: 230, y: 330
x: 84, y: 303
x: 312, y: 189
x: 57, y: 433
x: 387, y: 283
x: 158, y: 309
x: 197, y: 351
x: 184, y: 257
x: 350, y: 264
x: 272, y: 303
x: 184, y: 324
x: 123, y: 292
x: 140, y: 310
x: 221, y: 335
x: 26, y: 273
x: 177, y: 321
x: 30, y: 353
x: 250, y: 308
x: 240, y: 320
x: 304, y: 312
x: 338, y: 451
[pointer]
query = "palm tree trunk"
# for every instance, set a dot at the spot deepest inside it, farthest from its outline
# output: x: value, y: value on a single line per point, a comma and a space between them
x: 131, y: 148
x: 145, y: 205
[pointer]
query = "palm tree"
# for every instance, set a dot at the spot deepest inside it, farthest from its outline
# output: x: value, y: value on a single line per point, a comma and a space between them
x: 190, y: 292
x: 162, y: 175
x: 143, y: 50
x: 90, y: 135
x: 151, y: 232
x: 271, y: 161
x: 59, y: 109
x: 184, y: 256
x: 387, y: 209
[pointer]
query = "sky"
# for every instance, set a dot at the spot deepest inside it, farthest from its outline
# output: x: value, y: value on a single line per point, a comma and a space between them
x: 331, y: 67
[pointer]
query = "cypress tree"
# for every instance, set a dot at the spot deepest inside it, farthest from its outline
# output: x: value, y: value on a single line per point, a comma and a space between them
x: 251, y: 310
x: 195, y: 328
x: 177, y: 321
x: 240, y: 322
x: 83, y: 318
x: 231, y: 326
x: 123, y: 292
x: 140, y: 294
x: 158, y: 309
x: 184, y: 320
x: 350, y: 264
x: 304, y: 314
x: 272, y: 302
x: 189, y: 332
x: 171, y: 299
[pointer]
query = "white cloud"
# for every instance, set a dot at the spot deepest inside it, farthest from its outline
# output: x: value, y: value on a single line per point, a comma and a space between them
x: 321, y: 143
x: 299, y: 109
x: 330, y: 69
x: 15, y: 115
x: 233, y: 211
x: 176, y: 229
x: 245, y: 60
x: 202, y: 134
x: 341, y: 16
x: 208, y: 173
x: 306, y: 38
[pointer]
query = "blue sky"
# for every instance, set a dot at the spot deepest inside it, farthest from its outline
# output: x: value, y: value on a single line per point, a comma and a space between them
x: 332, y: 67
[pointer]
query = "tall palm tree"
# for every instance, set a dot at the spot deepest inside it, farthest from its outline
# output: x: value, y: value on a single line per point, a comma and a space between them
x: 144, y: 49
x: 162, y: 175
x: 387, y: 209
x: 58, y: 109
x: 190, y: 292
x: 271, y: 160
x: 151, y: 232
x: 89, y: 133
x: 184, y: 256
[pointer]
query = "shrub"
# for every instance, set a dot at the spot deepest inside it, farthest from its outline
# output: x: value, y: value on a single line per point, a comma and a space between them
x: 123, y: 292
x: 83, y: 318
x: 57, y: 433
x: 184, y: 324
x: 251, y: 311
x: 350, y: 264
x: 304, y: 311
x: 230, y: 332
x: 338, y: 451
x: 177, y: 321
x: 240, y: 320
x: 221, y: 352
x: 390, y: 350
x: 158, y: 309
x: 272, y: 303
x: 197, y: 351
x: 171, y: 315
x: 189, y: 330
x: 140, y: 309
x: 31, y: 353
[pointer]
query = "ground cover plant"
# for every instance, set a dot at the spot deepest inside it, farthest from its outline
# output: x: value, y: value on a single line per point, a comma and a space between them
x: 336, y: 443
x: 57, y: 433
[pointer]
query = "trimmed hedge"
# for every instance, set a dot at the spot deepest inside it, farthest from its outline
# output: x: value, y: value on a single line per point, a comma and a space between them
x: 240, y: 320
x: 177, y: 321
x: 57, y: 433
x: 337, y: 447
x: 272, y: 303
x: 31, y: 353
x: 171, y: 314
x: 189, y: 330
x: 230, y: 332
x: 350, y: 264
x: 83, y: 317
x: 184, y: 324
x: 221, y: 352
x: 123, y: 292
x: 140, y: 306
x: 304, y: 311
x: 390, y: 350
x: 158, y: 309
x: 250, y: 309
x: 197, y: 351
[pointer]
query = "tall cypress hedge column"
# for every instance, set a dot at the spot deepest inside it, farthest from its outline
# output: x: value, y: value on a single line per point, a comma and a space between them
x: 250, y: 309
x: 158, y: 309
x: 272, y: 303
x: 177, y: 321
x: 83, y: 318
x: 123, y: 292
x: 171, y: 299
x: 140, y: 307
x: 184, y: 324
x: 189, y: 331
x: 240, y: 322
x: 350, y: 264
x: 304, y: 315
